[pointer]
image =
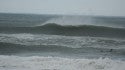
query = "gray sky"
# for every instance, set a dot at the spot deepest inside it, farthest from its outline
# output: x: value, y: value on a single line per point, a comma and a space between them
x: 84, y: 7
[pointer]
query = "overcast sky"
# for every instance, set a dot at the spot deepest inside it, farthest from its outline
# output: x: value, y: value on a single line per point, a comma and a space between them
x: 84, y: 7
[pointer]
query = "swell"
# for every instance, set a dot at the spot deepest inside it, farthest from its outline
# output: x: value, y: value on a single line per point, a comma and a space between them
x: 11, y: 49
x: 81, y: 30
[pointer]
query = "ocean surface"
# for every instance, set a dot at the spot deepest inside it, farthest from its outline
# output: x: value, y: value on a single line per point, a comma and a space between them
x: 61, y: 42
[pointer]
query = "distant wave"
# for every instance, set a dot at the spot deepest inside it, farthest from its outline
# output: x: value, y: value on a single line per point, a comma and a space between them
x: 69, y: 30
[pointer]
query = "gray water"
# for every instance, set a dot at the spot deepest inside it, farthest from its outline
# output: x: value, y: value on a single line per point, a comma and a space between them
x: 62, y: 35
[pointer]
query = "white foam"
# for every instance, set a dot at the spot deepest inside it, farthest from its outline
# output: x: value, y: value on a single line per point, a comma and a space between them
x: 69, y: 41
x: 23, y: 36
x: 58, y: 63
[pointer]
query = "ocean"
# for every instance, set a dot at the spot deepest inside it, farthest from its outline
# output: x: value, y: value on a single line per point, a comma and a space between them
x: 61, y: 42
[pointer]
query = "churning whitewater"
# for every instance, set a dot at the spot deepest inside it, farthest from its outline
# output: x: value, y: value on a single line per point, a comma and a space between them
x: 58, y: 42
x: 57, y: 63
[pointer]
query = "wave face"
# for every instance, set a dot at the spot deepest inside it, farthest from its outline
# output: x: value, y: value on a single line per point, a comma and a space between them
x: 68, y: 30
x: 67, y: 25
